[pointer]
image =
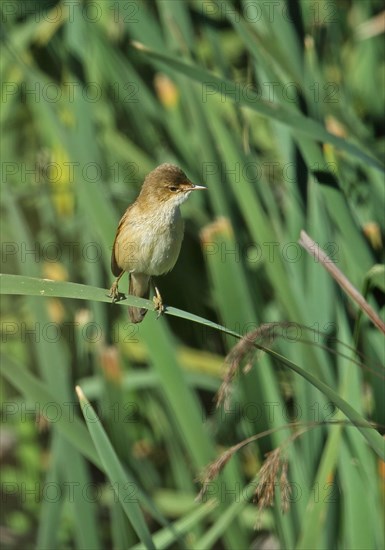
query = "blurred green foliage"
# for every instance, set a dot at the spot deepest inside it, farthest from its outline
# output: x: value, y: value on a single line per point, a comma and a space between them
x: 277, y: 107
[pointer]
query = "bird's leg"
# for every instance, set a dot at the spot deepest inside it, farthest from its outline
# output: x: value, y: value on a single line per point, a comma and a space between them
x: 158, y: 302
x: 114, y: 290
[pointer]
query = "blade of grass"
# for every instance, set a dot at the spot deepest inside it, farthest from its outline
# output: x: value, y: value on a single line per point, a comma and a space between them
x: 114, y: 471
x: 163, y: 538
x: 313, y: 248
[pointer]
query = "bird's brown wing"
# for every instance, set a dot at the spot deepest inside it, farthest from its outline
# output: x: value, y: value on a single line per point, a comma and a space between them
x: 115, y: 268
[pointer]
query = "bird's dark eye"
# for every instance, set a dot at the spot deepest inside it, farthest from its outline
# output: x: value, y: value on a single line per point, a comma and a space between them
x: 173, y: 189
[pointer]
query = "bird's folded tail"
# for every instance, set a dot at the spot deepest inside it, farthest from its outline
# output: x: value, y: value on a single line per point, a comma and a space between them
x: 139, y: 286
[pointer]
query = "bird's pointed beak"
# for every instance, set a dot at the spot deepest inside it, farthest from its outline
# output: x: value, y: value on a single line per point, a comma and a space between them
x: 197, y: 187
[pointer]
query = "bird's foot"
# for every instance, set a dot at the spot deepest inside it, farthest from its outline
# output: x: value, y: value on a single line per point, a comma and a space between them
x: 158, y: 303
x: 114, y: 293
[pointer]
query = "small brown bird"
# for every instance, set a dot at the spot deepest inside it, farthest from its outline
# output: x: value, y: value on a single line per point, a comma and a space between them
x: 150, y: 234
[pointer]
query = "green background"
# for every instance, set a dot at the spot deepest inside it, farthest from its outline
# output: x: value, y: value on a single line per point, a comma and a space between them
x: 277, y: 108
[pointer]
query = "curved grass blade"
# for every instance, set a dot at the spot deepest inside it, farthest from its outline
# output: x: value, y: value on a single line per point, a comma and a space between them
x: 31, y: 286
x: 115, y: 472
x: 17, y: 284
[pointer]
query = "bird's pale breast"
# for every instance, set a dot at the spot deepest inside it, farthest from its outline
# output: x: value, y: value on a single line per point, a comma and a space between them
x: 150, y: 243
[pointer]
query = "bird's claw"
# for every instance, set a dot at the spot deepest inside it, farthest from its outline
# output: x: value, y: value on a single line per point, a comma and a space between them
x: 158, y: 303
x: 115, y: 294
